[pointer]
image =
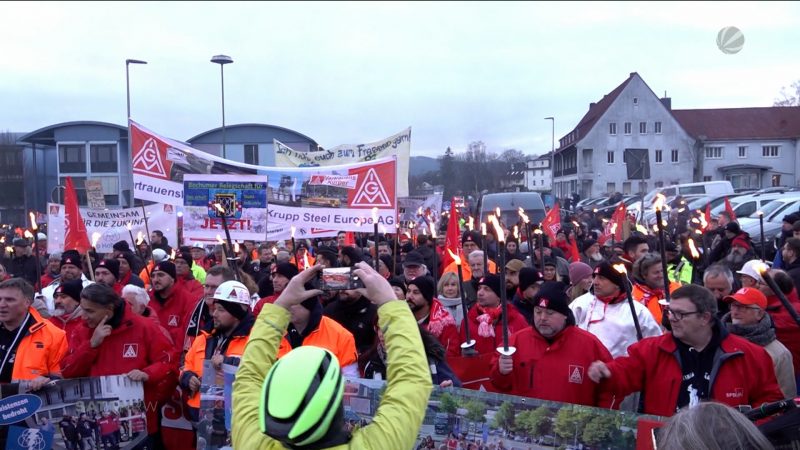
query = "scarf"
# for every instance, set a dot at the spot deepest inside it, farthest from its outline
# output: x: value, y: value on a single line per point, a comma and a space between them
x: 761, y: 333
x: 649, y: 293
x: 612, y: 299
x: 438, y: 318
x: 487, y: 317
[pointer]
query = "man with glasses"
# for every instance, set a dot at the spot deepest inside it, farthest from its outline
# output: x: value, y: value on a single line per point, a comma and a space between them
x: 698, y: 361
x: 749, y: 319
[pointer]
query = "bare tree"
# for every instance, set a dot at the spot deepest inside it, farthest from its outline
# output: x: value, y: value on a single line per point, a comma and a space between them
x: 789, y: 98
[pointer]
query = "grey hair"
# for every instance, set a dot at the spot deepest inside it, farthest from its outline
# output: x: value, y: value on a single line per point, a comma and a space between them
x: 643, y: 264
x: 475, y: 254
x: 711, y: 426
x: 54, y: 256
x: 282, y: 257
x: 139, y: 294
x: 718, y: 270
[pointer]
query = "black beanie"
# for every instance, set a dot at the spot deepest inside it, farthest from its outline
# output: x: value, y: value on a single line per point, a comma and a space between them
x: 127, y: 256
x: 71, y: 288
x: 552, y: 295
x: 286, y: 269
x: 426, y: 287
x: 586, y: 244
x: 493, y: 281
x: 237, y: 310
x: 472, y: 236
x: 397, y: 281
x: 112, y: 265
x: 168, y: 267
x: 71, y: 257
x: 604, y: 269
x: 527, y: 277
x: 186, y: 256
x: 122, y: 246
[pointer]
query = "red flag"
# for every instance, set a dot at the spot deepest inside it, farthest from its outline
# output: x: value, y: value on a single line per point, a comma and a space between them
x: 75, y: 235
x: 453, y: 238
x: 614, y: 226
x: 707, y: 216
x: 552, y: 222
x: 575, y: 255
x: 729, y: 210
x: 349, y: 239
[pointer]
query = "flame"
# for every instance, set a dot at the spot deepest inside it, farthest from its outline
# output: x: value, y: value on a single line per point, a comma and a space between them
x: 274, y: 251
x: 2, y: 239
x: 305, y: 260
x: 641, y: 229
x: 501, y: 237
x: 235, y: 247
x: 28, y: 234
x: 614, y: 228
x: 497, y: 212
x: 655, y: 227
x: 292, y: 228
x: 577, y: 225
x: 523, y: 215
x: 537, y: 231
x: 761, y: 268
x: 455, y: 257
x: 219, y: 208
x: 128, y: 226
x: 760, y: 213
x: 139, y: 238
x: 172, y: 255
x: 375, y: 214
x: 620, y: 268
x: 483, y: 229
x: 658, y: 202
x: 219, y: 239
x: 471, y: 223
x: 34, y: 227
x: 433, y: 230
x: 95, y: 238
x: 693, y: 249
x: 516, y: 232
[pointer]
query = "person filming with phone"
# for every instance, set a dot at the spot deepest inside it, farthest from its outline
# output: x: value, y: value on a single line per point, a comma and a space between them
x: 296, y: 401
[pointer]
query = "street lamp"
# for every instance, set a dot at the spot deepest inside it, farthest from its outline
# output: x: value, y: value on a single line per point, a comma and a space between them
x: 552, y: 156
x: 222, y: 60
x: 128, y: 62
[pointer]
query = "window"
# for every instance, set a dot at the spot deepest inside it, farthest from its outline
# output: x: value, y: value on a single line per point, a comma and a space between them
x: 657, y: 127
x: 627, y: 128
x: 770, y: 151
x: 674, y: 157
x: 742, y: 151
x: 103, y: 157
x: 71, y: 158
x: 611, y: 187
x: 611, y: 157
x: 659, y: 156
x: 642, y: 127
x: 707, y: 178
x: 713, y: 152
x: 612, y: 128
x: 251, y: 154
x: 635, y: 100
x: 776, y: 180
x: 659, y: 184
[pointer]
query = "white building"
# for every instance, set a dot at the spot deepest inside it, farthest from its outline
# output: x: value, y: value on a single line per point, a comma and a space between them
x: 538, y: 176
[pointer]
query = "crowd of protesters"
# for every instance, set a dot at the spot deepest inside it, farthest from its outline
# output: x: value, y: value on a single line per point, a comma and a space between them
x: 594, y: 319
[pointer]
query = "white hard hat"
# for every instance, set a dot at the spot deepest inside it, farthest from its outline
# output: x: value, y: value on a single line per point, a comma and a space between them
x: 750, y: 268
x: 159, y: 255
x: 234, y: 292
x: 41, y: 237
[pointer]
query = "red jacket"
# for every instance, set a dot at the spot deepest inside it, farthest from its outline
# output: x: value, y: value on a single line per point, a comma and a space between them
x: 786, y: 329
x: 174, y: 314
x: 260, y: 304
x: 135, y: 343
x: 69, y: 323
x: 744, y: 374
x: 191, y: 286
x: 441, y: 324
x: 555, y: 370
x: 489, y: 344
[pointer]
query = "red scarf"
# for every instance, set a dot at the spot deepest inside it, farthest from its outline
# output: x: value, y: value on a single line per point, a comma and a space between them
x: 487, y: 318
x: 612, y: 299
x: 650, y: 294
x: 438, y: 318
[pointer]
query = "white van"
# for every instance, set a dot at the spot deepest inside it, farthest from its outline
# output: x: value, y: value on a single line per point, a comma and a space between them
x: 702, y: 188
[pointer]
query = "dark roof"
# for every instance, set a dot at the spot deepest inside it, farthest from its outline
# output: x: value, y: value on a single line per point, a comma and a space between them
x: 776, y: 122
x: 596, y: 110
x: 46, y: 135
x: 742, y: 167
x: 240, y: 125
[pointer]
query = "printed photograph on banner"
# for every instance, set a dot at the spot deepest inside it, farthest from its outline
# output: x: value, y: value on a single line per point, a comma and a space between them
x: 214, y: 425
x: 239, y: 200
x: 97, y: 412
x: 459, y: 418
x: 419, y: 212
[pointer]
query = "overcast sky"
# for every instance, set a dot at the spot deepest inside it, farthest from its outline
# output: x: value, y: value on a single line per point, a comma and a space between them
x: 348, y: 73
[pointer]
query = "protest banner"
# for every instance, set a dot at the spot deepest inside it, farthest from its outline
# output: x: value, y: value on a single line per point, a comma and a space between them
x: 94, y: 194
x: 112, y: 225
x: 325, y: 198
x: 397, y: 145
x: 419, y: 211
x: 92, y: 412
x: 243, y: 199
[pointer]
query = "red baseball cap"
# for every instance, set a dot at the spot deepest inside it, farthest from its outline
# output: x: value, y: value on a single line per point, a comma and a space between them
x: 748, y: 296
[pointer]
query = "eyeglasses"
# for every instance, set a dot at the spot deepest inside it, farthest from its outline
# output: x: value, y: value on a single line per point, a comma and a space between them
x: 678, y: 315
x: 739, y: 306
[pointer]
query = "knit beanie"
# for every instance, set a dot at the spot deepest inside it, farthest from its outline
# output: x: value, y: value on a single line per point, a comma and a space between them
x: 112, y: 265
x: 493, y: 282
x: 237, y: 310
x: 398, y: 282
x: 552, y: 295
x: 121, y: 246
x: 579, y: 271
x: 186, y: 256
x: 426, y: 287
x: 605, y: 269
x: 71, y: 257
x: 286, y: 269
x: 527, y: 277
x: 71, y: 288
x: 168, y: 267
x: 128, y: 257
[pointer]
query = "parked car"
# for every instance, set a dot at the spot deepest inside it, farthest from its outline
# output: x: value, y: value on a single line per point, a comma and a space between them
x: 748, y: 204
x: 701, y: 188
x: 773, y: 221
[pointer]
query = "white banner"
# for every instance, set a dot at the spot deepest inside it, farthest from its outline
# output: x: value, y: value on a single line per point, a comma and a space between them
x: 159, y: 166
x: 242, y: 197
x: 397, y: 145
x: 112, y: 225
